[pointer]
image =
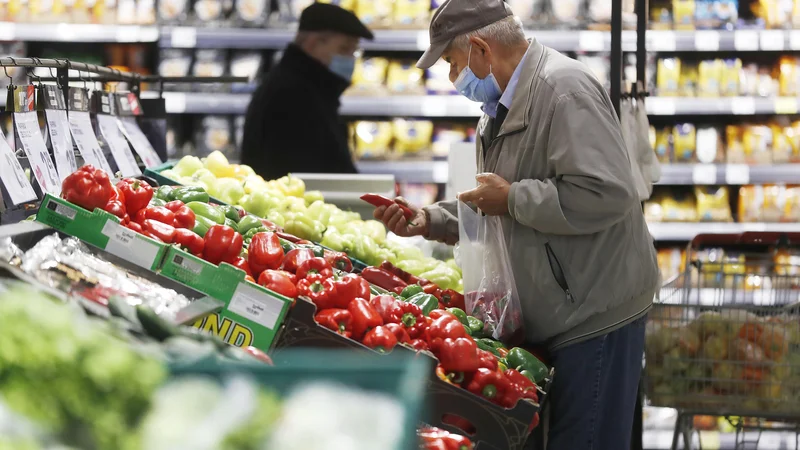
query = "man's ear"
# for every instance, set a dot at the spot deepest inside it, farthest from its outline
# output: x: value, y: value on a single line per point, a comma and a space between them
x: 480, y: 44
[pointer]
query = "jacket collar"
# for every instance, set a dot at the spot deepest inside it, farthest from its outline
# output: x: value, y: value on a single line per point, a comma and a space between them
x: 302, y: 65
x: 519, y: 113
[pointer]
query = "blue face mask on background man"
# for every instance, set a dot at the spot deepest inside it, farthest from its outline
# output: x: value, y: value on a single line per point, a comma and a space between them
x: 343, y: 66
x: 469, y: 85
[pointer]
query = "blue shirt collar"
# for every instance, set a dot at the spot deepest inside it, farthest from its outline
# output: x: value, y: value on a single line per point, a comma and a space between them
x: 490, y: 108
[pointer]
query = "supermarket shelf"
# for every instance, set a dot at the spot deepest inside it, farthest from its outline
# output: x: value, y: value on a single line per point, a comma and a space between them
x: 769, y: 440
x: 67, y: 32
x: 728, y: 174
x: 670, y: 106
x: 665, y: 231
x: 202, y: 103
x: 408, y: 171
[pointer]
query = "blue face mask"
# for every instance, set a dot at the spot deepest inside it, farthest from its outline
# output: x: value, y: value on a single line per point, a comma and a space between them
x: 343, y: 66
x: 469, y: 85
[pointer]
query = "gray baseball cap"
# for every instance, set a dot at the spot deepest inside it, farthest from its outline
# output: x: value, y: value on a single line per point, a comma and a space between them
x: 457, y: 17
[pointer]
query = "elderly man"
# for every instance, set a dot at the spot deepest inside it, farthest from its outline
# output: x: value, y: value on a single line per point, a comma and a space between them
x: 552, y: 163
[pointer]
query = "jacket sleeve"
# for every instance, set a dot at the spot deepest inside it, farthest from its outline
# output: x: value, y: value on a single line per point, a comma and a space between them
x: 593, y: 188
x: 443, y: 221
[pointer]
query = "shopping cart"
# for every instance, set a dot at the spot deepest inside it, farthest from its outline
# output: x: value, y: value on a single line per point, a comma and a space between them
x: 723, y: 338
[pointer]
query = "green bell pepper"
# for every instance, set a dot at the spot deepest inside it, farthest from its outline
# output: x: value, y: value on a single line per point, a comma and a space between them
x: 523, y: 360
x: 231, y: 224
x: 426, y: 303
x: 202, y: 224
x: 411, y: 290
x: 286, y: 245
x: 318, y: 251
x: 188, y: 194
x: 462, y: 316
x: 248, y: 223
x: 252, y: 232
x: 163, y: 193
x: 475, y: 325
x: 337, y: 242
x: 207, y: 210
x: 230, y: 212
x: 490, y: 345
x: 155, y: 201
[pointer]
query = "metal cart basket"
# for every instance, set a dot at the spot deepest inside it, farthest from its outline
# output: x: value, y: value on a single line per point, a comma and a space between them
x: 723, y: 339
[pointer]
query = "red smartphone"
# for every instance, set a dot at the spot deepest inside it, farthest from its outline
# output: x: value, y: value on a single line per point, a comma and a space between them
x: 377, y: 200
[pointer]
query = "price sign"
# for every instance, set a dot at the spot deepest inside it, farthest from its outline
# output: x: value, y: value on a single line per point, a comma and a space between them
x: 118, y: 145
x: 183, y: 37
x: 785, y: 105
x: 61, y: 140
x: 423, y: 40
x: 738, y: 174
x: 30, y: 137
x: 591, y: 41
x: 81, y: 126
x: 661, y: 41
x: 743, y: 106
x: 772, y: 40
x: 660, y: 106
x: 704, y: 174
x: 139, y: 142
x: 745, y: 40
x: 128, y: 33
x: 129, y: 245
x: 706, y: 41
x: 256, y: 305
x: 794, y: 40
x: 13, y: 176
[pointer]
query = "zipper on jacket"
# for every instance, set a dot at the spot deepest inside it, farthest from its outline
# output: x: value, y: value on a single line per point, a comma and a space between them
x: 558, y: 272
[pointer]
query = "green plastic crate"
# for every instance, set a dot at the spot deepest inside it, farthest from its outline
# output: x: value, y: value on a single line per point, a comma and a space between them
x: 403, y: 377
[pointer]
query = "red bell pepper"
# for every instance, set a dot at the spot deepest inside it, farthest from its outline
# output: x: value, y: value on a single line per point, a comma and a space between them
x: 184, y: 216
x: 400, y: 273
x: 138, y: 217
x: 159, y: 214
x: 338, y: 260
x: 162, y: 231
x: 399, y: 332
x: 222, y: 243
x: 459, y: 355
x: 381, y: 339
x: 495, y: 387
x: 383, y: 279
x: 264, y: 252
x: 189, y: 241
x: 87, y: 187
x: 321, y: 292
x: 444, y: 325
x: 137, y: 193
x: 348, y: 288
x: 436, y: 439
x: 487, y: 360
x: 338, y: 320
x: 241, y: 264
x: 433, y: 290
x: 278, y: 281
x: 384, y: 305
x: 452, y: 299
x: 316, y: 267
x: 135, y: 227
x: 117, y: 208
x: 295, y: 257
x: 397, y: 311
x: 418, y: 345
x: 365, y: 317
x: 285, y: 236
x: 288, y: 275
x: 379, y: 200
x: 522, y: 383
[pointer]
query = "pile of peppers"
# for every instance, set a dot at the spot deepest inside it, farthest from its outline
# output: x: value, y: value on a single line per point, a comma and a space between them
x: 432, y: 438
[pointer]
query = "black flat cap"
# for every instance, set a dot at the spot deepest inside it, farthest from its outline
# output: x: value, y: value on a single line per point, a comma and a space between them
x: 327, y: 17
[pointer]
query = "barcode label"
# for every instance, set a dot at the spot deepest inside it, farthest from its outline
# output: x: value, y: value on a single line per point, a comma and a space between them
x: 62, y: 210
x: 118, y: 233
x: 188, y: 264
x: 256, y: 305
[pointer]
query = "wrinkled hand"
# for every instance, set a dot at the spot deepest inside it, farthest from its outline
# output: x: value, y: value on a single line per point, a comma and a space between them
x: 491, y: 195
x: 392, y: 217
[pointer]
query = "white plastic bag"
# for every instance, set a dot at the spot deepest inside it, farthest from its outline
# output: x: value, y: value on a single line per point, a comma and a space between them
x: 489, y: 288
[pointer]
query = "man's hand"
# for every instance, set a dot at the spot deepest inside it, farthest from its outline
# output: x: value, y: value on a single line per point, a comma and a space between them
x: 491, y: 195
x: 392, y: 217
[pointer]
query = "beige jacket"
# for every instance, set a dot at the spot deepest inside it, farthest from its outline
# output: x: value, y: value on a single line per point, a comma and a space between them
x: 582, y: 256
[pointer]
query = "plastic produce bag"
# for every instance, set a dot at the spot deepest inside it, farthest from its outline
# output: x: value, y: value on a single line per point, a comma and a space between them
x: 489, y: 288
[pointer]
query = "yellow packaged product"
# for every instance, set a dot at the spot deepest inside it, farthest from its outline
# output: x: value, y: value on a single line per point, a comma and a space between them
x: 411, y: 13
x: 757, y: 143
x: 730, y: 72
x: 782, y: 137
x: 412, y: 136
x: 663, y: 145
x: 374, y: 13
x: 794, y: 140
x: 373, y: 139
x: 369, y: 76
x: 709, y: 146
x: 787, y: 262
x: 446, y: 134
x: 761, y: 203
x: 776, y: 13
x: 349, y: 5
x: 687, y: 86
x: 791, y: 209
x: 734, y: 149
x: 670, y: 262
x: 787, y: 76
x: 437, y: 80
x: 668, y: 76
x: 683, y: 14
x: 684, y: 139
x: 404, y: 78
x: 709, y: 78
x: 713, y: 204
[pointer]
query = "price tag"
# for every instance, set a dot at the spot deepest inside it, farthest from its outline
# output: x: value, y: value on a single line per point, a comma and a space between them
x: 704, y: 174
x: 706, y: 41
x: 661, y: 41
x: 434, y: 106
x: 591, y: 41
x: 794, y: 40
x: 129, y: 245
x: 139, y: 142
x: 127, y: 33
x: 745, y: 106
x: 175, y: 102
x: 121, y: 235
x: 183, y: 37
x: 148, y: 34
x: 738, y: 174
x: 660, y: 106
x: 62, y: 210
x: 439, y: 172
x: 8, y: 31
x: 80, y: 124
x: 32, y: 143
x: 745, y: 40
x: 256, y: 305
x: 186, y: 263
x: 785, y: 105
x: 66, y: 32
x: 61, y: 140
x: 423, y: 40
x: 772, y: 40
x: 119, y: 147
x: 13, y: 176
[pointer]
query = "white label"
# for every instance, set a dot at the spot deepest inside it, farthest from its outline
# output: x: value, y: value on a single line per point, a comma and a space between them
x: 61, y: 140
x: 737, y: 174
x: 8, y: 31
x: 13, y: 176
x: 423, y: 40
x: 139, y: 142
x: 183, y: 37
x: 706, y: 41
x: 129, y: 245
x: 661, y: 41
x: 660, y: 106
x: 591, y: 41
x: 439, y: 172
x: 772, y: 40
x: 186, y: 263
x: 435, y: 106
x: 743, y: 106
x: 785, y: 105
x: 704, y: 174
x: 32, y: 143
x: 127, y: 33
x: 745, y: 40
x: 175, y: 102
x: 256, y: 305
x: 63, y: 210
x: 80, y: 124
x: 118, y: 145
x: 794, y: 39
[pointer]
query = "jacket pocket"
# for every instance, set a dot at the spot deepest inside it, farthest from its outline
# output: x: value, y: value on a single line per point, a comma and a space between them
x: 558, y: 272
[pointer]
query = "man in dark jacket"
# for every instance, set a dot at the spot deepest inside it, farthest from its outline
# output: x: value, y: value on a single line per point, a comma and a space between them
x: 293, y: 122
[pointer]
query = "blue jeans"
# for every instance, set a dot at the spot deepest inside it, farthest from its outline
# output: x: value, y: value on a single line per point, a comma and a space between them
x: 593, y: 394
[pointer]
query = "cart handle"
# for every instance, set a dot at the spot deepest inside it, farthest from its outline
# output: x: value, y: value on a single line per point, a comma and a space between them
x: 746, y: 238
